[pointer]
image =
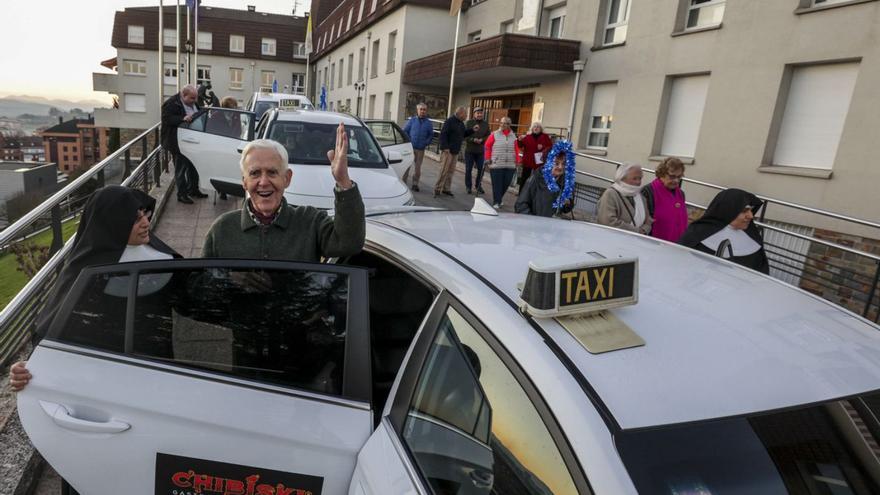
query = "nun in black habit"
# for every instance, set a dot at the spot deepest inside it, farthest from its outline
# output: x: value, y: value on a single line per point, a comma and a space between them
x: 114, y: 228
x: 728, y: 224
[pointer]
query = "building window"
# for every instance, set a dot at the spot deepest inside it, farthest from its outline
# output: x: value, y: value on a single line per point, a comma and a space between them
x: 298, y: 85
x: 348, y: 105
x: 205, y: 40
x: 236, y: 78
x: 687, y: 98
x: 386, y: 110
x: 507, y: 26
x: 371, y: 108
x: 136, y: 35
x: 361, y: 11
x: 704, y: 13
x: 135, y: 102
x: 299, y: 49
x: 601, y: 115
x: 556, y: 23
x: 817, y: 3
x: 616, y: 22
x: 475, y: 36
x: 348, y: 24
x: 392, y: 52
x: 373, y: 7
x: 361, y: 55
x: 374, y: 60
x: 169, y: 37
x: 236, y: 43
x: 815, y: 111
x: 134, y: 67
x: 170, y: 74
x: 341, y: 67
x: 203, y: 74
x: 350, y: 68
x: 332, y: 75
x: 267, y: 47
x: 267, y: 77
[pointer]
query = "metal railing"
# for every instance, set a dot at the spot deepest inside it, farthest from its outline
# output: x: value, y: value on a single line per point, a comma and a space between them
x: 18, y: 316
x: 842, y: 274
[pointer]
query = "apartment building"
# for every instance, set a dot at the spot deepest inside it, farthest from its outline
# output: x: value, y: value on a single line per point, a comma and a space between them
x: 362, y: 46
x: 775, y: 97
x: 75, y: 144
x: 239, y: 52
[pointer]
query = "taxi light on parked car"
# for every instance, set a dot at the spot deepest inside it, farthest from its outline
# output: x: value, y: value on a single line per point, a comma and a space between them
x: 566, y: 285
x: 288, y: 104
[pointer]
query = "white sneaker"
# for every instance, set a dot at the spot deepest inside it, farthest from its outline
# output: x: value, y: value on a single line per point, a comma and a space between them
x: 496, y: 206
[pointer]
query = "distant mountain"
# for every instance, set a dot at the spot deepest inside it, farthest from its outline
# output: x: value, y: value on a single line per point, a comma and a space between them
x: 13, y: 106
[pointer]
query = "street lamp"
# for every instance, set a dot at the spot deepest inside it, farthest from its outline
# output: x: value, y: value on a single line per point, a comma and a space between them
x: 359, y: 86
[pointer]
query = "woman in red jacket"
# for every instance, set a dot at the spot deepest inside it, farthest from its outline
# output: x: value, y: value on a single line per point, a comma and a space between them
x: 534, y: 147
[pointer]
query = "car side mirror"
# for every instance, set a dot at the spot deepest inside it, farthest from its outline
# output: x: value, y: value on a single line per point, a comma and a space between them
x: 240, y: 147
x: 394, y: 157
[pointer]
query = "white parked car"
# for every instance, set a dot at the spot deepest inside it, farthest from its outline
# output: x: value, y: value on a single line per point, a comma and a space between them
x: 261, y: 102
x: 214, y: 139
x: 466, y: 353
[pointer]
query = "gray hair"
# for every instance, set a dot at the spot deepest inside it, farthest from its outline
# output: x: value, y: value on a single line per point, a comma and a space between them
x: 624, y: 169
x: 189, y: 88
x: 460, y: 109
x: 536, y: 123
x: 421, y: 105
x: 505, y: 120
x: 264, y: 144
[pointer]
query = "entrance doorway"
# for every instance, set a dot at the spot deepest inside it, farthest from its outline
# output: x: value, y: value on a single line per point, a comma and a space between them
x: 518, y: 107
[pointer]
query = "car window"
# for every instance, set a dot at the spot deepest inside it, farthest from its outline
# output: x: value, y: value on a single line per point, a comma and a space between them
x: 471, y: 426
x: 228, y: 123
x: 264, y: 106
x: 277, y: 326
x: 399, y: 136
x: 383, y: 131
x: 198, y: 122
x: 829, y: 448
x: 307, y: 143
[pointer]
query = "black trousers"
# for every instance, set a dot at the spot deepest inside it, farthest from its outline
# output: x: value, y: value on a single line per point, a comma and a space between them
x: 185, y: 175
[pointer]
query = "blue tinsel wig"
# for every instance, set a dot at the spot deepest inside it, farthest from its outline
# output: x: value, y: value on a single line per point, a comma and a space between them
x: 560, y: 146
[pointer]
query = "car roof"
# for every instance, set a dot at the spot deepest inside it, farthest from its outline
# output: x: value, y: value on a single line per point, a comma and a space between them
x: 278, y: 96
x: 318, y: 117
x: 721, y: 340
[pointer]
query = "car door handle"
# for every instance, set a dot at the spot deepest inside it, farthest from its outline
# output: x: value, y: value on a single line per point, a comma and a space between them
x: 482, y: 479
x: 189, y: 140
x: 60, y: 414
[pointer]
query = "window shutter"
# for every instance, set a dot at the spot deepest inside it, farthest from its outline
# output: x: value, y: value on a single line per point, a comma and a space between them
x: 687, y: 98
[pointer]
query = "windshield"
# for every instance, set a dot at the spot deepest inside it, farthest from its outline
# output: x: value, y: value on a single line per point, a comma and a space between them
x: 308, y: 143
x: 830, y: 449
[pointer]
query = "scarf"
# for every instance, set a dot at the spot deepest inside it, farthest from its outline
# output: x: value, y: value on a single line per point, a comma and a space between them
x: 670, y: 212
x: 630, y: 191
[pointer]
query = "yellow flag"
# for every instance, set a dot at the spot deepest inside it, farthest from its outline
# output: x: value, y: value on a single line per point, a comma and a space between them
x: 454, y: 7
x: 309, y: 36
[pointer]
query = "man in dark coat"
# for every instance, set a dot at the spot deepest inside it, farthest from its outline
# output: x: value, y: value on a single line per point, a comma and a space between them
x: 473, y: 151
x: 177, y: 110
x: 452, y: 136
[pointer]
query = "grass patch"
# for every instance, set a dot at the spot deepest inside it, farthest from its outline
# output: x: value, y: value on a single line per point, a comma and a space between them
x: 12, y: 280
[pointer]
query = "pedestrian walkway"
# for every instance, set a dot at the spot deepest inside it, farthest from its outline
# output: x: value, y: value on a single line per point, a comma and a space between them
x: 462, y: 200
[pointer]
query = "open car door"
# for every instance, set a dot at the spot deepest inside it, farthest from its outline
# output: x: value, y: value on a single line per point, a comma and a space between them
x: 392, y: 138
x: 212, y: 143
x: 205, y: 376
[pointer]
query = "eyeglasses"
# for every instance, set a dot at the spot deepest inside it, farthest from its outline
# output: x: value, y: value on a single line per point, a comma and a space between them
x: 675, y: 177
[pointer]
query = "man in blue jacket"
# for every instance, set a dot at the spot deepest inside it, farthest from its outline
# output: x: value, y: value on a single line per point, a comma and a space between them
x: 452, y: 136
x: 420, y: 132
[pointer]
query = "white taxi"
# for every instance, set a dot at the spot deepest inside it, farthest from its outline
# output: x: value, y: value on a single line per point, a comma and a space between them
x: 459, y: 353
x: 263, y: 101
x: 213, y: 142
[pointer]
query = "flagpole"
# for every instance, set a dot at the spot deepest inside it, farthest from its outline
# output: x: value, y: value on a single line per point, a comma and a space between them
x: 188, y: 65
x: 177, y: 35
x: 161, y: 70
x: 196, y: 44
x: 454, y: 56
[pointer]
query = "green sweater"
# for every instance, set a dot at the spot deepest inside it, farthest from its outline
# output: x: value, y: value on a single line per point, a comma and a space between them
x: 300, y: 233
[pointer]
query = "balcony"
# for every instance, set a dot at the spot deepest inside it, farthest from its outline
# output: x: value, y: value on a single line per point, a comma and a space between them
x: 519, y: 57
x: 105, y: 82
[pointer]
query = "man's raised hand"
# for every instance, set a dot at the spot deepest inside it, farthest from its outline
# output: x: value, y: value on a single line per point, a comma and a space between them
x: 339, y: 159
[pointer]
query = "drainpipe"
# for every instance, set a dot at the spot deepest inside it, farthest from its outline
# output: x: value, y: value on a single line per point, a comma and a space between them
x: 578, y: 68
x: 367, y: 74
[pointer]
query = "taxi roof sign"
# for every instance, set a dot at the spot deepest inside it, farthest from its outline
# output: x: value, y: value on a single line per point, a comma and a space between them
x: 288, y: 104
x: 565, y: 285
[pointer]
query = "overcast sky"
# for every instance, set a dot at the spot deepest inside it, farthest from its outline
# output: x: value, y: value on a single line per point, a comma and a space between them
x: 51, y: 47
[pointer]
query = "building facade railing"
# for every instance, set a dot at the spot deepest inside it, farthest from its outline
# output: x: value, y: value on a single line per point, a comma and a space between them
x: 122, y: 167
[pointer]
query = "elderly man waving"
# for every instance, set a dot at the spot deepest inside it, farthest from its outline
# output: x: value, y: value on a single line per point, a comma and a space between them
x: 268, y: 228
